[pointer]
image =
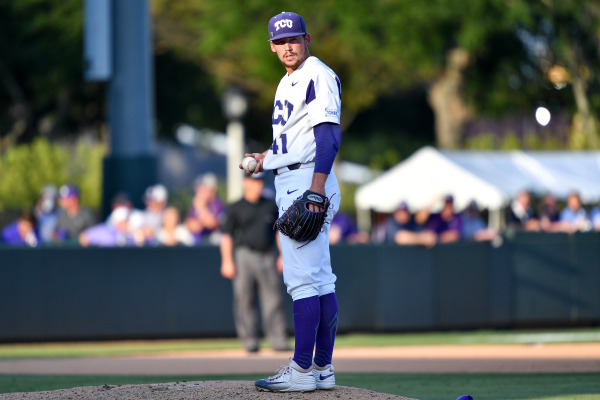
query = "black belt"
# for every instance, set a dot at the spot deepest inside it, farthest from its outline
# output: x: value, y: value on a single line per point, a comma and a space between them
x: 291, y: 167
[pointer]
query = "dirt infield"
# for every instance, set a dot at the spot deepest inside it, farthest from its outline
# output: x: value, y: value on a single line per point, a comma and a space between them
x: 572, y: 357
x: 579, y: 357
x: 210, y: 390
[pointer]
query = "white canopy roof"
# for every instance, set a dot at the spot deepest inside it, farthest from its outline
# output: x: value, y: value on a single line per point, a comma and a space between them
x: 491, y: 178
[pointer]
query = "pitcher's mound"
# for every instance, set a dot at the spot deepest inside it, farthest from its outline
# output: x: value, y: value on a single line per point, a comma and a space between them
x: 213, y: 390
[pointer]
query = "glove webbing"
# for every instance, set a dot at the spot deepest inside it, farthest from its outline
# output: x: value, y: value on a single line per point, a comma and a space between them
x: 295, y: 229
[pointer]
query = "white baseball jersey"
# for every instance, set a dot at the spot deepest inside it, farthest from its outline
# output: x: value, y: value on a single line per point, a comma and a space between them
x: 309, y: 96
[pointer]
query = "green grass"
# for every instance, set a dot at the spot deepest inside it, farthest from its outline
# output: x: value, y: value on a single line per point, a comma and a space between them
x: 124, y: 348
x: 480, y: 386
x: 576, y: 386
x: 107, y: 349
x: 579, y: 386
x: 467, y: 338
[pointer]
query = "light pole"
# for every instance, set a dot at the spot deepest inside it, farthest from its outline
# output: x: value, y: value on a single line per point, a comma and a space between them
x: 234, y: 107
x: 119, y: 51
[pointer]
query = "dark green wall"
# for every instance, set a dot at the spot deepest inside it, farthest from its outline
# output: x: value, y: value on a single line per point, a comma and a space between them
x: 557, y: 278
x: 120, y: 293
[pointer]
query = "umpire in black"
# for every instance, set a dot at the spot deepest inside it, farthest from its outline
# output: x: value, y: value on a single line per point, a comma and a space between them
x: 249, y: 258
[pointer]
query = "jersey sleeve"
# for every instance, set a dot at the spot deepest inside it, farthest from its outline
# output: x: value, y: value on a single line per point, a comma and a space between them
x: 323, y: 98
x: 327, y: 139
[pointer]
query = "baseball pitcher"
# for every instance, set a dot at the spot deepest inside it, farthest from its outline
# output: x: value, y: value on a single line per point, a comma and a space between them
x: 306, y: 138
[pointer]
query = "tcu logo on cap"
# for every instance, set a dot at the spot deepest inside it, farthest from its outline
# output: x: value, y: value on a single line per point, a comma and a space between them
x: 283, y: 23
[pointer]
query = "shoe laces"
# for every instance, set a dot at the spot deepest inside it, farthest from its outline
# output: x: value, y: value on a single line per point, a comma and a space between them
x: 283, y: 370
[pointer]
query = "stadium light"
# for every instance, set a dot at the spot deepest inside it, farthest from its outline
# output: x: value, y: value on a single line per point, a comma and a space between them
x: 542, y: 116
x: 235, y: 105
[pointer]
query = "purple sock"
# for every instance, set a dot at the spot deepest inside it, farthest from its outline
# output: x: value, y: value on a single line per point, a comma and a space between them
x: 306, y: 322
x: 327, y: 329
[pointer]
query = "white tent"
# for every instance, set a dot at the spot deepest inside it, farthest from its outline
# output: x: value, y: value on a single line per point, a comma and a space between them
x: 491, y: 178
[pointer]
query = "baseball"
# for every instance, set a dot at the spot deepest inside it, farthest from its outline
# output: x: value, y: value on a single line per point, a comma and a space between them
x: 249, y: 164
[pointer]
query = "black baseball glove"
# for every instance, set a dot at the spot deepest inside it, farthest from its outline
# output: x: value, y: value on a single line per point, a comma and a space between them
x: 301, y: 224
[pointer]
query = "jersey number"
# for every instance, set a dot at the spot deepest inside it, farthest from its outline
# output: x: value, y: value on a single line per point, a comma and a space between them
x: 275, y: 147
x: 282, y: 112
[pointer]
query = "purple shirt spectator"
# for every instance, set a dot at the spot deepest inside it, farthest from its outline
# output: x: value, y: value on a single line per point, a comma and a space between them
x: 439, y: 225
x: 12, y: 237
x: 106, y: 235
x: 345, y: 225
x: 113, y: 233
x: 217, y: 208
x: 207, y: 212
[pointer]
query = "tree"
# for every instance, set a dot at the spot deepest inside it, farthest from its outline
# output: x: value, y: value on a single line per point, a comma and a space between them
x: 569, y: 34
x: 487, y: 58
x: 377, y: 48
x: 41, y: 69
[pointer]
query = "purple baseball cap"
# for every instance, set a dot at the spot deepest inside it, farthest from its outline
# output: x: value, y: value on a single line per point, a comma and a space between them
x: 402, y: 206
x: 286, y: 24
x: 68, y: 191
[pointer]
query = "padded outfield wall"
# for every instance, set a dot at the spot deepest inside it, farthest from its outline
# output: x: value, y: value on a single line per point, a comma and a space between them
x: 550, y: 280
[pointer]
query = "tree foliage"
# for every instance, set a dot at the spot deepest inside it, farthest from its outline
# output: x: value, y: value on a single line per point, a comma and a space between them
x: 377, y: 48
x: 568, y: 34
x: 41, y: 88
x: 26, y: 168
x: 382, y: 50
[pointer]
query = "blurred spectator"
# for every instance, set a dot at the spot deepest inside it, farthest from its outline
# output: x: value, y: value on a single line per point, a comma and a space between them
x: 144, y: 224
x: 207, y: 211
x: 112, y: 233
x: 574, y: 217
x: 402, y: 229
x: 344, y: 230
x: 73, y: 218
x: 46, y: 213
x: 520, y: 214
x: 121, y: 199
x: 377, y: 235
x: 21, y: 233
x: 473, y: 225
x: 549, y: 217
x: 595, y: 217
x: 446, y: 224
x: 173, y: 232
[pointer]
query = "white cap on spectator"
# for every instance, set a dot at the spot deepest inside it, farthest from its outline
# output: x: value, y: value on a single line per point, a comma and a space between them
x: 119, y: 214
x: 208, y: 179
x: 156, y: 193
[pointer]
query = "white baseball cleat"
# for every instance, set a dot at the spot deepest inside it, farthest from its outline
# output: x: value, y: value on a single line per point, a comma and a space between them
x: 324, y: 377
x: 289, y: 378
